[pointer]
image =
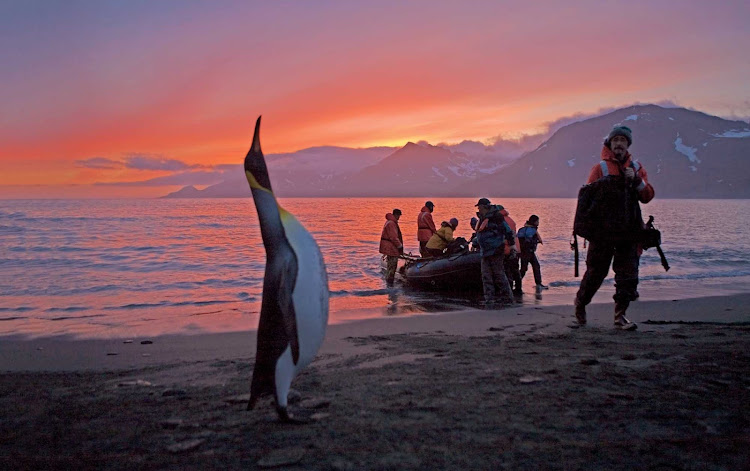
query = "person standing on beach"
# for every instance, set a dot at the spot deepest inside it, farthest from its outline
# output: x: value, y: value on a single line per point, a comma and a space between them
x: 493, y: 233
x: 425, y: 227
x: 616, y: 161
x: 529, y: 238
x: 391, y: 244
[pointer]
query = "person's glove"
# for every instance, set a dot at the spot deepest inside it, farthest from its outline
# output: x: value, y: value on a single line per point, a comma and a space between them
x: 629, y: 173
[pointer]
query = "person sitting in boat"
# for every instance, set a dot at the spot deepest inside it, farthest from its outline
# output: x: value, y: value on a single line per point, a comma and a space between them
x: 440, y: 239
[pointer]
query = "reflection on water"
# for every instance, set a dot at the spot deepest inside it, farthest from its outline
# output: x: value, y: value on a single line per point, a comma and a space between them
x: 147, y: 267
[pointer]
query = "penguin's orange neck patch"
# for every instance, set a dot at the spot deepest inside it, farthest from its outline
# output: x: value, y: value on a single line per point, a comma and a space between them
x: 254, y: 183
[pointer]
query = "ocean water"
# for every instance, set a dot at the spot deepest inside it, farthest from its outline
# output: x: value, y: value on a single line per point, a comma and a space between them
x: 129, y: 268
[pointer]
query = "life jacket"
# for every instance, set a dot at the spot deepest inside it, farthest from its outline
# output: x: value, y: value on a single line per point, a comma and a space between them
x: 527, y: 238
x: 425, y: 225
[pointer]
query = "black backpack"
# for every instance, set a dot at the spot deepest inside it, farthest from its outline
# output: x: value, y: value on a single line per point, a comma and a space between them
x: 458, y: 245
x: 608, y: 210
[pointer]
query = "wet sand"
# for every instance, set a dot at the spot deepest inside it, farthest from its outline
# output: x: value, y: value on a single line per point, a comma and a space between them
x: 511, y: 389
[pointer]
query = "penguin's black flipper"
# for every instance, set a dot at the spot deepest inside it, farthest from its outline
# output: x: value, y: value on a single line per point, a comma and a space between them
x: 287, y: 281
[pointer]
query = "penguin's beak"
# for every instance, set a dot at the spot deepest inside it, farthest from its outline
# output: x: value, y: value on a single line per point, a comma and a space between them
x: 255, y: 164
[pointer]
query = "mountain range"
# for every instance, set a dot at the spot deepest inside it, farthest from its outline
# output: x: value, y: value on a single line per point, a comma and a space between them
x: 687, y: 154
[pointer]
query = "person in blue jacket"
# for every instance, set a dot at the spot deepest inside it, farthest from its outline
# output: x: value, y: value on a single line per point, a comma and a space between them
x: 528, y: 237
x: 492, y: 234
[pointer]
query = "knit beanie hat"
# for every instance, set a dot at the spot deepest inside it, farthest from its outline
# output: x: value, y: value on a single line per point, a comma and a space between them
x: 620, y: 131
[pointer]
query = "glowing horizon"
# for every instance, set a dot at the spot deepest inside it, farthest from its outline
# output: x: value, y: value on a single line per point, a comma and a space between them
x: 185, y: 81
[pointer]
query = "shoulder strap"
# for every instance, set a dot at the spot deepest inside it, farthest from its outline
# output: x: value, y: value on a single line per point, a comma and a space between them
x: 636, y: 166
x: 605, y: 169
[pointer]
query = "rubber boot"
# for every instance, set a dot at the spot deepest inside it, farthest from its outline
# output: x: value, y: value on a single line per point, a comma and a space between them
x: 622, y: 322
x: 580, y: 313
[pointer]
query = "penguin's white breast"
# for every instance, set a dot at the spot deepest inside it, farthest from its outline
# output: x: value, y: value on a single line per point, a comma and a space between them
x: 310, y: 295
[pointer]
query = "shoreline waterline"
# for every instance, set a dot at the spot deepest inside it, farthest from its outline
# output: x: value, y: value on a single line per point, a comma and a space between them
x: 66, y: 353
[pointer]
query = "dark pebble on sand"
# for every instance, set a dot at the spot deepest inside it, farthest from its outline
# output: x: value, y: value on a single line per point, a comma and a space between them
x: 187, y: 445
x: 617, y: 395
x: 719, y: 382
x: 171, y: 424
x: 294, y: 396
x: 340, y: 464
x: 628, y: 357
x: 283, y: 457
x: 315, y: 403
x: 111, y: 354
x: 589, y: 361
x: 146, y: 342
x: 174, y: 392
x: 241, y: 399
x: 495, y: 329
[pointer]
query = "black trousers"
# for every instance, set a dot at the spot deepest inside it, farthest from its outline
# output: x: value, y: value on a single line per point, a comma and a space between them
x: 530, y: 257
x: 494, y: 281
x: 511, y: 272
x: 423, y: 248
x: 624, y: 259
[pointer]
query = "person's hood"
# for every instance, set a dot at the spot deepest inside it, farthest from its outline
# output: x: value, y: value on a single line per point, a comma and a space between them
x: 425, y: 208
x: 607, y: 154
x: 391, y: 217
x: 504, y: 212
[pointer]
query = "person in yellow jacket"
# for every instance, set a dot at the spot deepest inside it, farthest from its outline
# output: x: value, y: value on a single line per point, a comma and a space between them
x: 441, y: 238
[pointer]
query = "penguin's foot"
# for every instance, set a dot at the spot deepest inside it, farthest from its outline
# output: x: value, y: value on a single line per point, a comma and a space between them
x: 302, y: 416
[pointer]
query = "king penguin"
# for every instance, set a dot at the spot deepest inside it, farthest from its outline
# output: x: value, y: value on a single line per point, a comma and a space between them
x: 294, y: 309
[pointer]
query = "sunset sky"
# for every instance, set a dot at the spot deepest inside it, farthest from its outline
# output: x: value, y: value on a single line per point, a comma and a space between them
x: 100, y: 92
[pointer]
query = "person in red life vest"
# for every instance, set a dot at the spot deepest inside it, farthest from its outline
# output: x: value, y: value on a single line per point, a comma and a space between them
x: 391, y: 244
x: 425, y: 227
x: 623, y: 255
x: 510, y: 260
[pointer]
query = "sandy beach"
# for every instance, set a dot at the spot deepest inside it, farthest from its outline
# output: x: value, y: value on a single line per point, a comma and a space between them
x: 510, y: 389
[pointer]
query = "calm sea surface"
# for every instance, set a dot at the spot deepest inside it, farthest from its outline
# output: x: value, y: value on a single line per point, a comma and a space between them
x: 114, y: 268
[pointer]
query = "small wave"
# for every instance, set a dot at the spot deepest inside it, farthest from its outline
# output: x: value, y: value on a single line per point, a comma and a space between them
x: 17, y: 309
x: 199, y: 303
x: 212, y: 225
x: 65, y: 318
x: 9, y: 229
x: 360, y: 293
x: 12, y: 215
x: 665, y: 276
x: 67, y: 309
x: 138, y: 306
x: 12, y: 318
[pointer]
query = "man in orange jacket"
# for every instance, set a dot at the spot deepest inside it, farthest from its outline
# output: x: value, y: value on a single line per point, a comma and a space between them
x: 425, y: 227
x: 391, y: 244
x: 623, y: 255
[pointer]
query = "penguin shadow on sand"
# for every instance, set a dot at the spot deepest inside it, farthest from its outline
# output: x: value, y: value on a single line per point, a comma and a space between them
x: 294, y: 308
